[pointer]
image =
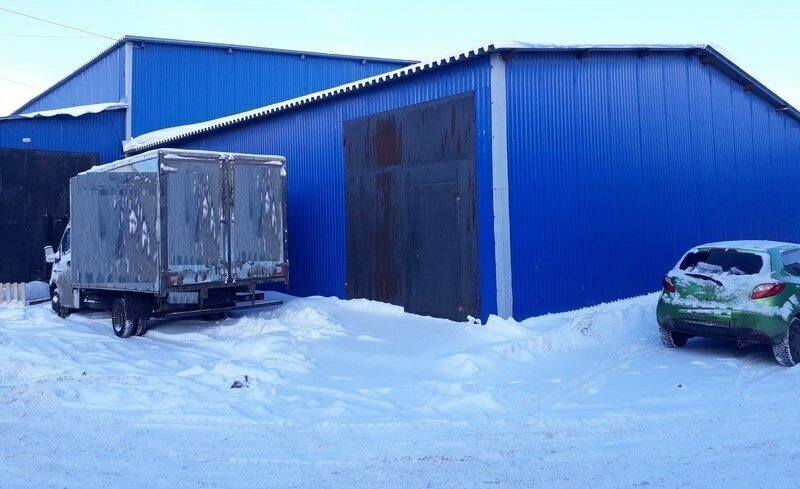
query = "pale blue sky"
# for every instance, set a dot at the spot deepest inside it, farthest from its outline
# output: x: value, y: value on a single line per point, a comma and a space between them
x: 762, y: 37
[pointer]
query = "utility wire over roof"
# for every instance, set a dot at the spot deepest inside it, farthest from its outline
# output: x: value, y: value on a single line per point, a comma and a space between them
x: 707, y: 54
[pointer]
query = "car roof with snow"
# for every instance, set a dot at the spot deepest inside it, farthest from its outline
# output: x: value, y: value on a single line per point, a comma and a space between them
x: 751, y: 245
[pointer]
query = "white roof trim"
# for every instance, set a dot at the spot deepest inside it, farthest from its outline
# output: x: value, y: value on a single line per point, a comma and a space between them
x: 77, y: 110
x: 163, y: 136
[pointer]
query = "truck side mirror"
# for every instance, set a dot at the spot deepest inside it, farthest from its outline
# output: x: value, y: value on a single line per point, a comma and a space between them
x: 49, y: 256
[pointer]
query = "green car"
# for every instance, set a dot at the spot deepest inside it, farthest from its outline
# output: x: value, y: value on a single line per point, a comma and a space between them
x: 743, y: 290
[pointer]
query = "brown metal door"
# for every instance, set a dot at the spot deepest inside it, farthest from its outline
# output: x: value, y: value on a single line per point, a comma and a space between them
x: 411, y: 214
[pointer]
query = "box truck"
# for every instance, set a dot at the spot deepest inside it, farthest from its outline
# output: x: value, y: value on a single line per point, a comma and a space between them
x: 171, y: 234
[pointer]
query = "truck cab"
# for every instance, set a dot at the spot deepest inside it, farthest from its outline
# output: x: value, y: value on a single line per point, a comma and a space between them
x: 61, y: 275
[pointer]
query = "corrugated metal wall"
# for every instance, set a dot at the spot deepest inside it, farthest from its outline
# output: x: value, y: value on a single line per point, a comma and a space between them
x: 311, y: 139
x: 100, y: 133
x: 103, y: 81
x: 618, y: 164
x: 180, y: 84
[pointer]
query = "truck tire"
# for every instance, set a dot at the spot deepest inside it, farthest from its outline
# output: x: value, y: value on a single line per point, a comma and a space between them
x: 140, y: 327
x: 671, y: 339
x: 787, y: 352
x: 58, y: 308
x: 123, y: 327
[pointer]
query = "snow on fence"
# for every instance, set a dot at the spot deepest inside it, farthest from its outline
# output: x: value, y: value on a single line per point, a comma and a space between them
x: 12, y: 293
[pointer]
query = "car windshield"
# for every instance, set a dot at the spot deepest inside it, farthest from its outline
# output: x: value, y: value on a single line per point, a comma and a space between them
x: 722, y: 262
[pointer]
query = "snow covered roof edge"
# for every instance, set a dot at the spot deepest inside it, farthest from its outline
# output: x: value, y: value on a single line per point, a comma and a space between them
x: 77, y: 110
x: 171, y: 134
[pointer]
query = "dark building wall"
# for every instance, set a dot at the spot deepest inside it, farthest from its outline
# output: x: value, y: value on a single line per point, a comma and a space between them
x: 100, y: 133
x: 618, y: 164
x: 34, y: 203
x: 180, y: 84
x: 311, y: 138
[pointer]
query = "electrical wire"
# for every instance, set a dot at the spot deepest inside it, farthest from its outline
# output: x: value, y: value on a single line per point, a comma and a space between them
x: 45, y: 36
x: 20, y: 83
x: 55, y: 23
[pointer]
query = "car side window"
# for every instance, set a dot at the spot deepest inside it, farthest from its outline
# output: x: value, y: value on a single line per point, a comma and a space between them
x: 791, y: 262
x: 65, y: 241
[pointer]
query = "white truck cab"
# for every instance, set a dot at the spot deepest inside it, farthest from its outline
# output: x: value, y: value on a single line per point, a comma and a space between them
x: 61, y: 292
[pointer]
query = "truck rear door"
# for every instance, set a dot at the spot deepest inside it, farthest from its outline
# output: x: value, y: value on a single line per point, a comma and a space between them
x: 257, y: 214
x: 196, y: 247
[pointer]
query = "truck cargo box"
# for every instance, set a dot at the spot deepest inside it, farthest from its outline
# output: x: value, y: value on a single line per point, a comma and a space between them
x: 170, y: 220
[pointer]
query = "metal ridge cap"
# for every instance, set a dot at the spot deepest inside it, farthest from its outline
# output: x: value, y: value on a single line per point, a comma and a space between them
x: 246, y: 47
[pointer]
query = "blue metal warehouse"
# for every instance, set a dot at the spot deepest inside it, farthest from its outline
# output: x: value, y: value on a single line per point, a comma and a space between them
x: 521, y: 179
x: 146, y: 84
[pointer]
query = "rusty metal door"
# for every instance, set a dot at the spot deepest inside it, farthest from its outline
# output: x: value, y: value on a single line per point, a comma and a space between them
x: 411, y: 211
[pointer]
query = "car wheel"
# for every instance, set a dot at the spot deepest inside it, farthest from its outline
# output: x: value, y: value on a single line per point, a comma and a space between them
x: 140, y: 327
x: 58, y: 308
x: 787, y: 352
x: 123, y: 327
x: 672, y: 339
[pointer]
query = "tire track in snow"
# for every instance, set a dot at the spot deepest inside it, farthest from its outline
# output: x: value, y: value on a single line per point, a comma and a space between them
x: 598, y: 376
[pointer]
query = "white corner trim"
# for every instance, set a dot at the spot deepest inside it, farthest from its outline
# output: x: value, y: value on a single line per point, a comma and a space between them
x: 502, y: 227
x: 128, y: 88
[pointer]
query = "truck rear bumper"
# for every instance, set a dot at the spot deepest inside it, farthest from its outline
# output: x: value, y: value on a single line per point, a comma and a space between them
x: 240, y: 306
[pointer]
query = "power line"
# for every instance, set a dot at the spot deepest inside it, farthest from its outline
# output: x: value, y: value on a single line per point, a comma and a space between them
x: 20, y: 83
x: 37, y: 88
x: 44, y: 36
x: 55, y: 23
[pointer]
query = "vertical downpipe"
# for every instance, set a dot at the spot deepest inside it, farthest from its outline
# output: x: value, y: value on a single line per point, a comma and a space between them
x: 502, y: 231
x: 128, y: 89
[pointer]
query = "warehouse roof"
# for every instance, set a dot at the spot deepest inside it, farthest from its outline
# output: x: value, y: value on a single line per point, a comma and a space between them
x: 707, y: 54
x: 180, y: 42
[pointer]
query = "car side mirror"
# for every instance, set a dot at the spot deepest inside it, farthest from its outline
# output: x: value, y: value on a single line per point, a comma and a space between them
x: 49, y: 256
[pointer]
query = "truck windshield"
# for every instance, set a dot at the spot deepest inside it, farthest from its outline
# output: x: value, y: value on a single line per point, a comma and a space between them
x: 722, y: 262
x: 65, y: 241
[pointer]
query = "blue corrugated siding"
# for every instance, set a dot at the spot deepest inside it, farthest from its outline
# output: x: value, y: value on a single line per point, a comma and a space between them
x: 175, y: 84
x: 92, y: 133
x: 103, y: 81
x: 617, y: 165
x: 311, y: 139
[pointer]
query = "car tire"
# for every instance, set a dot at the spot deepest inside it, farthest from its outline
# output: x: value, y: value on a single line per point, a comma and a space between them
x: 59, y: 309
x: 672, y: 339
x: 787, y: 352
x: 123, y: 327
x: 140, y: 326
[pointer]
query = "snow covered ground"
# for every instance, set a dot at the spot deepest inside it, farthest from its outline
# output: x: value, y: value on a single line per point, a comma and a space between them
x: 360, y: 394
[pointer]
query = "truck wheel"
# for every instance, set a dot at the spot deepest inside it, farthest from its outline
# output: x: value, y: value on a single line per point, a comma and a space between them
x: 671, y: 339
x: 787, y: 352
x: 123, y: 327
x: 59, y: 309
x: 140, y: 327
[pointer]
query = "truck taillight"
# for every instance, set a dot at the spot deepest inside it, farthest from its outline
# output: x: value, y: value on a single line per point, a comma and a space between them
x: 281, y: 269
x: 174, y: 279
x: 767, y: 290
x: 668, y: 284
